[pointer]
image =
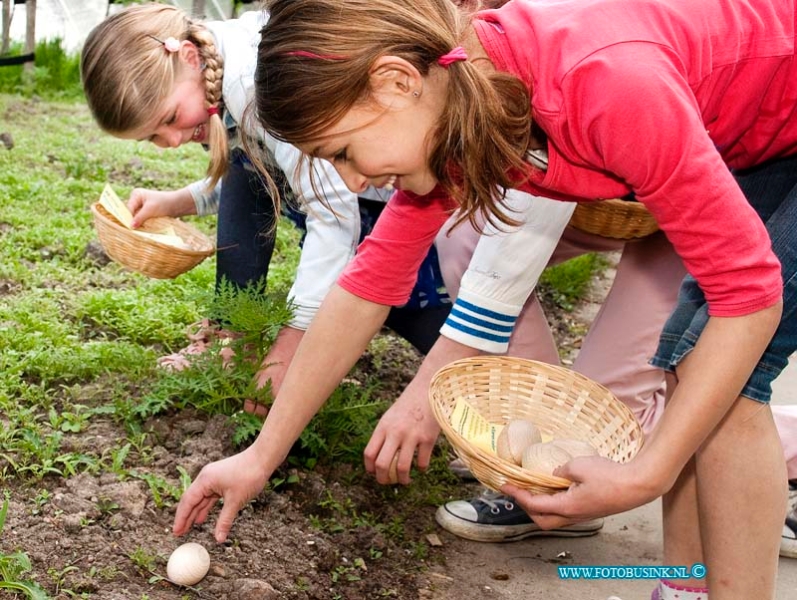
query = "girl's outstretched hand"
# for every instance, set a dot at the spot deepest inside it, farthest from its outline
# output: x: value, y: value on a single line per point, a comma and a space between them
x: 601, y: 487
x: 235, y: 480
x: 406, y: 427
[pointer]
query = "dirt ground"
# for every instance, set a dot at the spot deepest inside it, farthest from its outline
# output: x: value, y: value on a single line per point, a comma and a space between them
x: 326, y: 535
x: 323, y: 534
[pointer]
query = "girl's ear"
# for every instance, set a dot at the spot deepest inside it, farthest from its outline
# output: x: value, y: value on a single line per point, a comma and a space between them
x: 189, y: 54
x: 394, y: 77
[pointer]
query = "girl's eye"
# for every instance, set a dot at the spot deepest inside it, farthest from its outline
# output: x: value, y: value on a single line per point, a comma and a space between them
x: 340, y: 156
x: 171, y: 119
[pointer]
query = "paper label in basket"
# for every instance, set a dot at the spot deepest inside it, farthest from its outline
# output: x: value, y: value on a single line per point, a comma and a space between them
x: 468, y: 423
x: 118, y: 209
x: 165, y: 238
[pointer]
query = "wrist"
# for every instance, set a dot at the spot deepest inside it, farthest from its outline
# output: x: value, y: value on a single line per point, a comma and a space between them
x: 653, y: 472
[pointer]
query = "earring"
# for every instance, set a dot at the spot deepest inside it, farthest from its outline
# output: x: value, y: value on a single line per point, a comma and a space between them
x: 416, y: 94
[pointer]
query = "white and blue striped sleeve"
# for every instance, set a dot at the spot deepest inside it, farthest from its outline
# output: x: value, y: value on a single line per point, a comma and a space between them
x: 504, y: 270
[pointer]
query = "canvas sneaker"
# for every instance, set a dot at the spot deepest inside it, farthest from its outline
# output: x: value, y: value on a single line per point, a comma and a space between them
x: 492, y: 517
x: 788, y: 542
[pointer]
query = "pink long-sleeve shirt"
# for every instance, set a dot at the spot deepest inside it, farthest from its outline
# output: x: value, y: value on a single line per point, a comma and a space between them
x: 658, y: 97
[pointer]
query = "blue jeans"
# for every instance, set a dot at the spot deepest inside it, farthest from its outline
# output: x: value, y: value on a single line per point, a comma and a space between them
x: 245, y: 233
x: 772, y: 190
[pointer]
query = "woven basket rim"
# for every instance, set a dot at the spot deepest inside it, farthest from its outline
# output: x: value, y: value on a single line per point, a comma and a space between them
x: 614, y: 218
x: 154, y: 243
x: 507, y: 472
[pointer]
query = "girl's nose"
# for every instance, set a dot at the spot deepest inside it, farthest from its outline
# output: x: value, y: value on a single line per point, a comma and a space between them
x: 354, y: 181
x: 168, y: 137
x: 174, y: 138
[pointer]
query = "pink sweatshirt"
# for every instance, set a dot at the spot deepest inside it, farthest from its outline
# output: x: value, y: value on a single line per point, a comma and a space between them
x: 657, y: 97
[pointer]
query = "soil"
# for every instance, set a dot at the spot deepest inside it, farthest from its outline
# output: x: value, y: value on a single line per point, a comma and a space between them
x: 330, y: 533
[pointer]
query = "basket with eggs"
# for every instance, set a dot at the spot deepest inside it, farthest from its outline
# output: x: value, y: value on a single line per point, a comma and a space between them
x: 162, y: 248
x: 515, y: 421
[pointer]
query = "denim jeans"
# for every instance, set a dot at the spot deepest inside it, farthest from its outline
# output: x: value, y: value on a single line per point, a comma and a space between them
x: 246, y: 234
x: 772, y: 190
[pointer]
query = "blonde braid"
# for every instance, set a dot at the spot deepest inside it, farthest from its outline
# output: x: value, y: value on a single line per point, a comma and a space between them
x: 214, y: 75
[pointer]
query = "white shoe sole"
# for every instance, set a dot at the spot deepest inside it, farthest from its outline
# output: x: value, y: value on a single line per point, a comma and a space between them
x: 510, y: 533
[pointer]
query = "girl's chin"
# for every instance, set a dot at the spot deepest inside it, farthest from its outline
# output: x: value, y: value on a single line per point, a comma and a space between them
x: 420, y: 188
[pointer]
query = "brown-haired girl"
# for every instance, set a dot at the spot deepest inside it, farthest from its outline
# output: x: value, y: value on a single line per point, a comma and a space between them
x: 688, y: 104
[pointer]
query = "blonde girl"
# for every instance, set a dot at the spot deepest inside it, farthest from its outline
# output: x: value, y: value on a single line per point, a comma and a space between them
x: 689, y: 105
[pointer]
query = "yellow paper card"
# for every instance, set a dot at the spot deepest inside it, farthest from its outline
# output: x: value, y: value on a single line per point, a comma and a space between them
x: 467, y: 421
x: 111, y: 202
x: 165, y: 238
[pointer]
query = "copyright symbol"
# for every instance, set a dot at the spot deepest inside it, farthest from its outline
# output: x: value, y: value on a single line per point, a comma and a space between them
x: 698, y: 570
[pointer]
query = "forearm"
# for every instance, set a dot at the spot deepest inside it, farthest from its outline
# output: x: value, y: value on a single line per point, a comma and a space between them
x: 183, y: 202
x: 710, y: 379
x: 337, y: 337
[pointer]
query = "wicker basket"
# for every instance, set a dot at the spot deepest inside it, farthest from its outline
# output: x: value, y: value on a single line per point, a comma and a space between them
x: 561, y: 402
x: 619, y: 219
x: 147, y: 256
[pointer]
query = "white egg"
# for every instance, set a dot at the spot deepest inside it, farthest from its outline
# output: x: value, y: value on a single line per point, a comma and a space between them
x: 515, y: 437
x: 545, y: 458
x: 188, y: 564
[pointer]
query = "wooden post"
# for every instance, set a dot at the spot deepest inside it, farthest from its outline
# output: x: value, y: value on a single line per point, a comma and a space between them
x: 6, y: 43
x: 30, y: 30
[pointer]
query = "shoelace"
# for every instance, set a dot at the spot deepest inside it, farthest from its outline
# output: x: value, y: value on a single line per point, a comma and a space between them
x: 489, y: 497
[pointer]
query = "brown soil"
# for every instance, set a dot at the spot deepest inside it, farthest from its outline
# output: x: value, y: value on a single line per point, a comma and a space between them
x: 329, y: 534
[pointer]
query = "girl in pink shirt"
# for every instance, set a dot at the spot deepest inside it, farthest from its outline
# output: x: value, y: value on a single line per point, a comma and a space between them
x: 688, y: 104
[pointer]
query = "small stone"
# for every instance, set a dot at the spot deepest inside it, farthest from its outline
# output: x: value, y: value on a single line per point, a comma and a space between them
x: 434, y: 540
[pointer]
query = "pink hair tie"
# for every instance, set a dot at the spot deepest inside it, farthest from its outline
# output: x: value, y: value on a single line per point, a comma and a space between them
x: 213, y: 110
x: 453, y: 56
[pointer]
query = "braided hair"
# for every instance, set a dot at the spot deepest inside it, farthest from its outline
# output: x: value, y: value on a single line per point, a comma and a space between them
x: 126, y: 71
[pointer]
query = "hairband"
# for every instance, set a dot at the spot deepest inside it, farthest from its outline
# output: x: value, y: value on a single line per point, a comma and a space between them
x: 213, y: 110
x: 171, y: 44
x: 451, y: 57
x: 444, y: 61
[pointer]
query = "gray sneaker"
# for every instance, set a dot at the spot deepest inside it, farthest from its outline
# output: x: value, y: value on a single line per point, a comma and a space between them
x: 493, y: 517
x: 788, y: 542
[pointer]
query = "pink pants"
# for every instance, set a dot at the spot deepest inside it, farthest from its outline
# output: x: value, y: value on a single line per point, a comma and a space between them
x: 625, y: 332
